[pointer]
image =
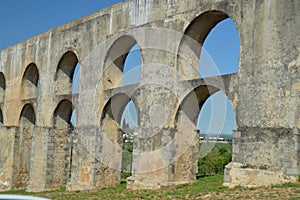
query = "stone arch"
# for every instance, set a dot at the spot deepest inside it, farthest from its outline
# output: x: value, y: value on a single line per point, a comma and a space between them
x: 27, y: 114
x: 30, y: 82
x: 64, y: 73
x: 217, y: 101
x: 2, y: 87
x: 197, y: 96
x: 114, y: 107
x: 186, y: 138
x: 132, y: 66
x: 115, y: 60
x: 23, y: 147
x: 60, y: 146
x: 113, y: 137
x: 192, y: 41
x: 62, y: 114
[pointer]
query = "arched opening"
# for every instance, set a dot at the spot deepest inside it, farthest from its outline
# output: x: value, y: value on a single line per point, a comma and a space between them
x: 75, y: 92
x: 220, y: 51
x: 74, y: 118
x: 132, y: 66
x: 118, y: 130
x: 30, y: 82
x: 207, y: 108
x: 216, y: 123
x: 62, y: 115
x: 65, y: 73
x: 210, y: 46
x: 1, y: 118
x: 131, y: 75
x: 60, y: 145
x: 122, y: 64
x: 2, y: 87
x: 129, y: 127
x: 76, y: 79
x: 24, y: 145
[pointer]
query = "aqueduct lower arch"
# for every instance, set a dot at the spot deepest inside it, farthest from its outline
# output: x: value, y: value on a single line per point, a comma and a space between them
x: 264, y: 94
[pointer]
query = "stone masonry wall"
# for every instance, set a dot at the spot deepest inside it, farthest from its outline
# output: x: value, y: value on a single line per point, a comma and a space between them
x: 264, y: 93
x: 58, y: 158
x: 7, y: 137
x: 22, y: 157
x: 264, y: 156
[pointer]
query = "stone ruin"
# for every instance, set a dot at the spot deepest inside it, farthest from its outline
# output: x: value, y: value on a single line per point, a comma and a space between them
x: 40, y: 150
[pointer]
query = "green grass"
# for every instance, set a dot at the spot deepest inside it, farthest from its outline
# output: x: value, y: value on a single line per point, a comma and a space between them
x: 196, y: 190
x: 287, y: 185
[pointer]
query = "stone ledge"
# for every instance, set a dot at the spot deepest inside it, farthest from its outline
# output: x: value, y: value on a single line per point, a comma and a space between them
x: 133, y: 184
x: 239, y: 174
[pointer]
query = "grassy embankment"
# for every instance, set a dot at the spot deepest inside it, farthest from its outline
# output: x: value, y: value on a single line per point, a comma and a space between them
x: 204, y: 188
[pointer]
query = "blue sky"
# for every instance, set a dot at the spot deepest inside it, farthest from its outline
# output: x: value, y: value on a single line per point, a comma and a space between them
x: 221, y: 50
x: 21, y: 20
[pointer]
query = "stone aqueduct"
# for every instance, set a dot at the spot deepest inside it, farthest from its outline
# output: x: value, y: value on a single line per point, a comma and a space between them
x: 39, y: 150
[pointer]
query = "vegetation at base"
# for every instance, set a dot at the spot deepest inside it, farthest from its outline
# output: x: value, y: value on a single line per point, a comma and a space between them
x: 126, y: 160
x: 214, y: 162
x: 210, y: 187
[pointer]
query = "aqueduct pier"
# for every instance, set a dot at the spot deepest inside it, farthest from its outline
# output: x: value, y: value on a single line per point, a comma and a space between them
x: 41, y: 151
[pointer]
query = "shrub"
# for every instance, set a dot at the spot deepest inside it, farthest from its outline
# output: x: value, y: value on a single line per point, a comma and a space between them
x: 214, y: 162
